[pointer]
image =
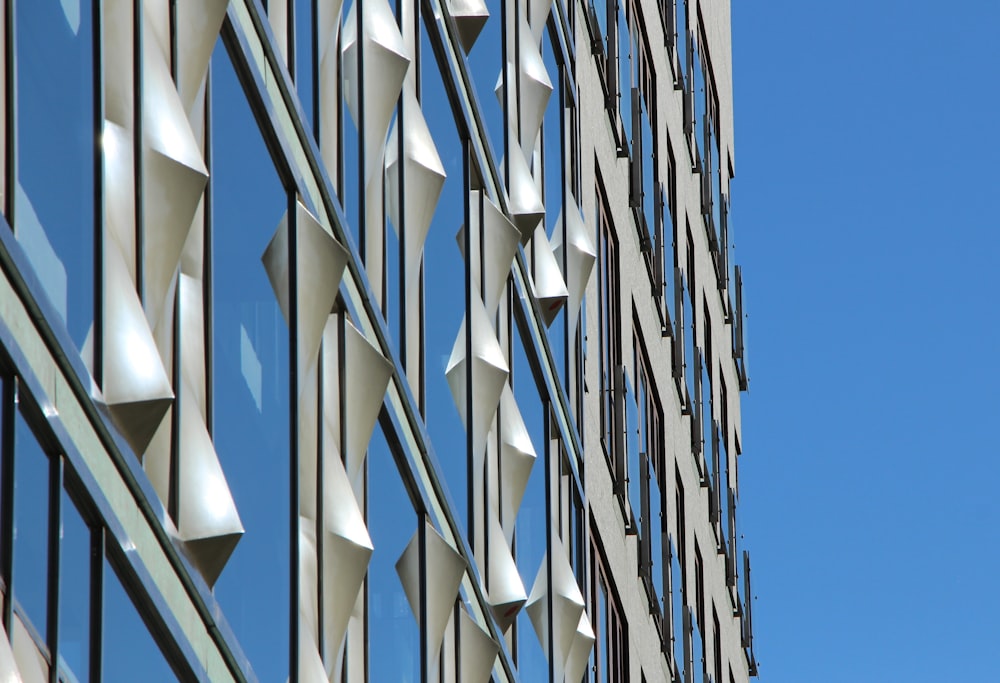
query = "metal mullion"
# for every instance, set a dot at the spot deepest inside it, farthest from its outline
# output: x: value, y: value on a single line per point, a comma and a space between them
x: 174, y: 477
x: 52, y: 598
x: 320, y: 369
x: 469, y: 418
x: 7, y: 445
x: 172, y: 20
x: 422, y: 548
x: 293, y: 440
x: 137, y: 154
x: 314, y: 84
x: 505, y: 89
x: 97, y: 41
x: 400, y: 219
x: 207, y: 272
x: 97, y: 540
x: 362, y: 177
x: 550, y: 655
x: 10, y: 111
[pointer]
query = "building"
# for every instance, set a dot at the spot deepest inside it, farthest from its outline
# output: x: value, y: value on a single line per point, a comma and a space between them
x: 386, y: 342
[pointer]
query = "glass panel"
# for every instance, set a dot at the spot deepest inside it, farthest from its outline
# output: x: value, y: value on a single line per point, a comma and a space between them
x: 304, y: 57
x: 444, y: 280
x: 130, y: 651
x: 699, y: 98
x: 74, y: 591
x: 707, y: 423
x: 251, y: 384
x: 656, y: 532
x: 625, y: 76
x: 555, y: 158
x: 699, y: 652
x: 531, y: 525
x: 682, y: 37
x: 31, y: 525
x: 689, y: 339
x: 648, y: 170
x: 54, y: 202
x: 394, y: 653
x: 483, y: 64
x: 677, y: 604
x: 633, y: 446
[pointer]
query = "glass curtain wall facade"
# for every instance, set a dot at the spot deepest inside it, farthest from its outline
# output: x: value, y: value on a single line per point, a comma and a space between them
x: 370, y: 341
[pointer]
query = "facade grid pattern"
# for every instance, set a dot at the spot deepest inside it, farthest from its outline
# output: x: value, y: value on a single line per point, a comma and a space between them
x: 370, y: 341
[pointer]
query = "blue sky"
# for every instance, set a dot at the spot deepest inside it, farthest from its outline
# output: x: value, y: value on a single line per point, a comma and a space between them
x: 867, y: 172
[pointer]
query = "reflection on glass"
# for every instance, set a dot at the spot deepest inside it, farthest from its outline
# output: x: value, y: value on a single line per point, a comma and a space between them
x: 483, y: 64
x: 394, y: 645
x: 625, y: 80
x: 31, y: 520
x: 656, y: 532
x: 130, y: 652
x: 251, y: 384
x: 531, y: 526
x: 304, y: 17
x: 445, y: 285
x: 554, y: 160
x: 54, y: 201
x: 74, y: 590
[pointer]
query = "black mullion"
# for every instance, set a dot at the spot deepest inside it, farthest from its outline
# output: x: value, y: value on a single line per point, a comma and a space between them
x: 505, y: 106
x: 362, y: 177
x: 314, y: 84
x: 469, y: 420
x: 422, y: 548
x: 98, y: 227
x: 550, y: 655
x: 52, y: 601
x: 319, y: 500
x: 96, y: 602
x: 208, y: 327
x: 293, y: 441
x: 10, y: 107
x: 173, y: 40
x: 7, y: 501
x: 290, y: 37
x: 174, y: 477
x: 458, y: 642
x: 137, y: 145
x: 401, y: 217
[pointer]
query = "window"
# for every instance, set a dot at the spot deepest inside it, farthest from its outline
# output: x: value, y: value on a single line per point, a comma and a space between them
x: 698, y: 623
x: 687, y: 327
x: 128, y: 645
x: 611, y: 644
x: 682, y: 41
x: 716, y: 646
x: 678, y: 591
x: 250, y: 360
x: 53, y: 193
x: 393, y: 655
x: 650, y: 458
x: 608, y: 319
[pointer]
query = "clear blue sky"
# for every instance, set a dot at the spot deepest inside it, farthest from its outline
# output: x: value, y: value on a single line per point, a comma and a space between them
x: 867, y: 174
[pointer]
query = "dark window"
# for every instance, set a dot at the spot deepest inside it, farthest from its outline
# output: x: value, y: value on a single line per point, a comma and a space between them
x: 611, y: 645
x: 608, y: 319
x: 716, y: 645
